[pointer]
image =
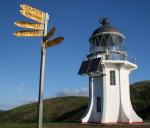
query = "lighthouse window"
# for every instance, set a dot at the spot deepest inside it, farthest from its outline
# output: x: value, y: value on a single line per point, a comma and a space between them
x: 98, y: 104
x: 112, y: 78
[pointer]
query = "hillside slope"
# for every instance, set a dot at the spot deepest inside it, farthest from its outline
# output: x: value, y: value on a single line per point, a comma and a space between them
x: 140, y: 97
x: 56, y: 109
x: 71, y: 109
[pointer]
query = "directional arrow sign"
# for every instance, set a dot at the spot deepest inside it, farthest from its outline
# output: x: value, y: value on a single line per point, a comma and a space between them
x: 33, y: 16
x: 29, y: 33
x: 49, y: 34
x: 53, y: 42
x: 29, y: 25
x: 32, y: 10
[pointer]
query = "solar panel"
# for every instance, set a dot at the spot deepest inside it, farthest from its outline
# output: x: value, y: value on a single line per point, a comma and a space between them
x: 84, y: 67
x: 94, y: 65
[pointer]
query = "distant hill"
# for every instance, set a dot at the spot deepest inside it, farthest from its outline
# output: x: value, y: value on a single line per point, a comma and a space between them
x: 56, y: 109
x: 140, y: 97
x: 71, y: 109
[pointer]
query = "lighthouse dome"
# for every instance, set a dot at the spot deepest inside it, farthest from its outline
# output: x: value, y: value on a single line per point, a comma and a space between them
x: 106, y: 28
x: 107, y: 38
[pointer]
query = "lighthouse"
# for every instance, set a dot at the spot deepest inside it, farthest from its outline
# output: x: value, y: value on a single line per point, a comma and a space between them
x: 108, y: 67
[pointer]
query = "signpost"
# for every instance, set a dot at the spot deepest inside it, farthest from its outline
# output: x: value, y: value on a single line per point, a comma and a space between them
x: 41, y: 30
x: 29, y: 25
x: 33, y: 10
x: 53, y: 42
x: 28, y: 33
x: 49, y: 34
x: 32, y: 16
x: 41, y: 82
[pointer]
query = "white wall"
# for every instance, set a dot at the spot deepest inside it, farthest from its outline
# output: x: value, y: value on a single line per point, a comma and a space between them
x: 111, y: 94
x: 116, y: 105
x: 127, y: 113
x: 96, y: 89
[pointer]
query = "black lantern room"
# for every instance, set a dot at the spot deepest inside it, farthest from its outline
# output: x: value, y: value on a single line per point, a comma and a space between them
x: 106, y: 43
x: 107, y: 39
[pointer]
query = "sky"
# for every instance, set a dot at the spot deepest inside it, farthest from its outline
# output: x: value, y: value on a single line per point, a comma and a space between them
x: 75, y: 20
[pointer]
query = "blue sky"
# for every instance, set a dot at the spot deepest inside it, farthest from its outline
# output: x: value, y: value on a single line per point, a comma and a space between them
x: 75, y: 20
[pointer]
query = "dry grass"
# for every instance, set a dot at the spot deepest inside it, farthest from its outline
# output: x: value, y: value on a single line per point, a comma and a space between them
x: 74, y: 125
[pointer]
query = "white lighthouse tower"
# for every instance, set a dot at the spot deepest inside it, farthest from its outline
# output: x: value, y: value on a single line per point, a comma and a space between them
x: 108, y: 66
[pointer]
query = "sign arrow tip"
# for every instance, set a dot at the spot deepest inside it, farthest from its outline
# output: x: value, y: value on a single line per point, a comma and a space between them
x: 15, y: 23
x: 14, y: 34
x: 21, y: 5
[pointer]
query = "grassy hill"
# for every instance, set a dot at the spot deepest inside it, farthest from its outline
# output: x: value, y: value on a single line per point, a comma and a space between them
x: 140, y: 97
x: 56, y: 109
x: 71, y: 109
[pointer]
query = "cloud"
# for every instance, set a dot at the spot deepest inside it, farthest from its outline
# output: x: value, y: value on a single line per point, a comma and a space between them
x: 20, y: 87
x: 17, y: 103
x: 7, y: 106
x: 30, y: 101
x: 83, y: 91
x: 26, y: 100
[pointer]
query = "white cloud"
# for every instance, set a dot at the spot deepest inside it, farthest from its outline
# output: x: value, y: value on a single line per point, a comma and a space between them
x: 7, y: 106
x: 17, y: 103
x: 26, y: 100
x: 83, y: 91
x: 30, y: 101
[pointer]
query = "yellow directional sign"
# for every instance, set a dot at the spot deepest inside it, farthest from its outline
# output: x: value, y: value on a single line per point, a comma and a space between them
x: 32, y: 10
x: 49, y: 34
x: 53, y: 42
x: 29, y: 33
x: 30, y: 25
x: 33, y: 16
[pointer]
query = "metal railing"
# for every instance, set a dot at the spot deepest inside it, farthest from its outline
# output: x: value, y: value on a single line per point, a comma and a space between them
x: 131, y: 59
x: 116, y: 56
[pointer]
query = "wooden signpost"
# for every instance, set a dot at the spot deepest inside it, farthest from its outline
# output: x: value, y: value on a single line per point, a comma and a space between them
x: 38, y: 29
x: 28, y: 33
x: 49, y: 34
x: 32, y: 16
x: 33, y: 10
x: 23, y: 24
x: 53, y: 42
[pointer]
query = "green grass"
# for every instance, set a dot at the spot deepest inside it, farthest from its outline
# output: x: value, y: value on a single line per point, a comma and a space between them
x: 10, y: 125
x: 71, y: 125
